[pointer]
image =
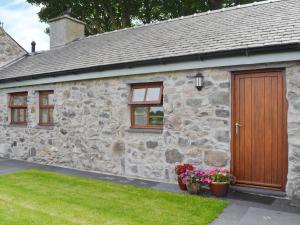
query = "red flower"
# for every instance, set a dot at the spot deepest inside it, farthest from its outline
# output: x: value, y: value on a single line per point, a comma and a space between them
x: 182, y: 168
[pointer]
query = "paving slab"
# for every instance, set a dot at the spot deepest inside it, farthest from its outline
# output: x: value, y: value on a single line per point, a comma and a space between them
x: 257, y: 216
x: 233, y: 214
x: 242, y: 215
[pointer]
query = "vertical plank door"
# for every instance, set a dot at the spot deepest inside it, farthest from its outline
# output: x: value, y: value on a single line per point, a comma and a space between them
x: 259, y: 132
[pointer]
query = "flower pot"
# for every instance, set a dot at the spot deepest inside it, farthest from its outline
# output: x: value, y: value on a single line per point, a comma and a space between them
x: 219, y: 189
x: 193, y: 188
x: 181, y: 184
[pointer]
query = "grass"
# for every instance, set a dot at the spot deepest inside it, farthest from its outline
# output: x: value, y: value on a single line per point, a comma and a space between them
x: 39, y: 197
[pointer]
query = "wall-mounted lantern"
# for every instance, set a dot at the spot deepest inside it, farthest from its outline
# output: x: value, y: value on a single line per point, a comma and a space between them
x: 199, y: 81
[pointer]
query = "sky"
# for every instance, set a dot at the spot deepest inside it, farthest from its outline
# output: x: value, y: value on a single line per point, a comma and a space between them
x: 22, y: 23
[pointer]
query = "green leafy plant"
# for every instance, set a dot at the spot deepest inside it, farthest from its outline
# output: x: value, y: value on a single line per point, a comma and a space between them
x: 219, y: 175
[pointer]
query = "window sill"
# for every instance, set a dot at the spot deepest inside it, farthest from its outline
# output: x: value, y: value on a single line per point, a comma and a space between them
x: 46, y: 127
x: 17, y: 125
x: 145, y: 130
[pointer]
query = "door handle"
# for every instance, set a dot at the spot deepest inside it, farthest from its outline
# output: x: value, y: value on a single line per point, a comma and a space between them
x: 237, y: 128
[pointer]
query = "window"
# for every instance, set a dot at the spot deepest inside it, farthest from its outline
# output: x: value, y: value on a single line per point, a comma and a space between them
x: 46, y: 107
x: 18, y: 107
x: 146, y: 101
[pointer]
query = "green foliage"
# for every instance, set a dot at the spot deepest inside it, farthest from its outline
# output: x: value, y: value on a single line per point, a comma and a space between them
x: 42, y: 198
x: 220, y: 178
x: 107, y: 15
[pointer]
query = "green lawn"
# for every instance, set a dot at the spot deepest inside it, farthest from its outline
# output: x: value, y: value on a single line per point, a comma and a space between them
x: 40, y: 197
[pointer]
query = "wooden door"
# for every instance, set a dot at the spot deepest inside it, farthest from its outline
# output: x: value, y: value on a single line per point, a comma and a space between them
x: 259, y: 130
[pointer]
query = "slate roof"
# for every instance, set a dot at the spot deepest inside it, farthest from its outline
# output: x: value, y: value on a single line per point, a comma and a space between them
x: 268, y: 23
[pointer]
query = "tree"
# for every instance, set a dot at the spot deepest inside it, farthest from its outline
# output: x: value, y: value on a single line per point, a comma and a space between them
x: 107, y: 15
x: 215, y: 4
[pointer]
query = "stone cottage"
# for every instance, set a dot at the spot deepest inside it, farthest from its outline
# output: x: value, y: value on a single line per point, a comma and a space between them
x: 220, y: 88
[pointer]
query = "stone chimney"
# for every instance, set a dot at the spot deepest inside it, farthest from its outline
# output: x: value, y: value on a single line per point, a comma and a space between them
x: 65, y: 29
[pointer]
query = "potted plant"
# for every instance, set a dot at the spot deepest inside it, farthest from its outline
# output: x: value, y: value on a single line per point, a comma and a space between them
x: 219, y: 181
x: 179, y: 170
x: 193, y: 180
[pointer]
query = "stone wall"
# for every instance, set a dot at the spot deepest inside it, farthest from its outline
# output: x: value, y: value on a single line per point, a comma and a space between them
x: 93, y: 119
x: 9, y: 49
x: 293, y: 96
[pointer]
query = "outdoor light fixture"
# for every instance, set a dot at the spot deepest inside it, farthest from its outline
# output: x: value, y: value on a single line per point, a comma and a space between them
x: 199, y: 81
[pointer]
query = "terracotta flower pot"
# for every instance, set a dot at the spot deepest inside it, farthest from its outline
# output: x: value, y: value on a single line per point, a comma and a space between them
x: 219, y: 189
x: 181, y: 185
x: 193, y: 188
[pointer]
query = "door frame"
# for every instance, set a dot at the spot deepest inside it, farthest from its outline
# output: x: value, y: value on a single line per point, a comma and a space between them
x: 285, y: 129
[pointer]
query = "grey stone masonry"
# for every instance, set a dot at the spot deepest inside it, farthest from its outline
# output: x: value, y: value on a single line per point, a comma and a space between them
x: 92, y: 126
x: 9, y: 49
x: 92, y: 121
x: 293, y: 96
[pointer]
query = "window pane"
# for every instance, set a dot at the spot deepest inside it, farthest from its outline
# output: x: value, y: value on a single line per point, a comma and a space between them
x: 157, y: 111
x: 44, y: 115
x: 22, y: 117
x: 140, y: 116
x: 138, y: 95
x: 156, y: 120
x: 51, y: 116
x: 19, y: 100
x: 44, y: 99
x: 156, y: 115
x: 19, y: 116
x: 26, y: 115
x: 14, y: 115
x: 50, y: 99
x: 153, y: 94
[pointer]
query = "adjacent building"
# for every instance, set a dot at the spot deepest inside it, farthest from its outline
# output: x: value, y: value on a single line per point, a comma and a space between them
x: 10, y: 50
